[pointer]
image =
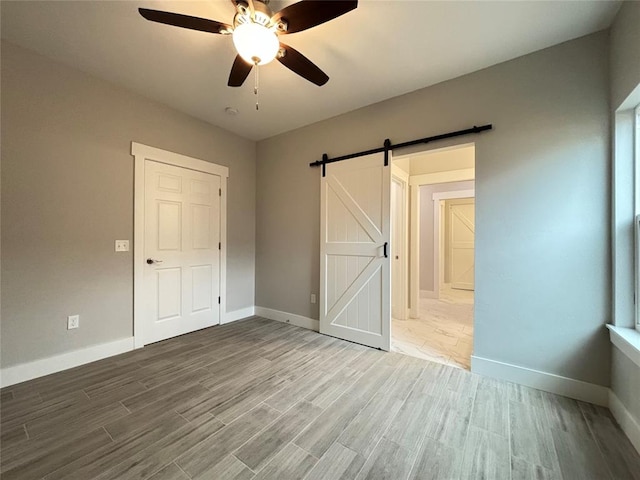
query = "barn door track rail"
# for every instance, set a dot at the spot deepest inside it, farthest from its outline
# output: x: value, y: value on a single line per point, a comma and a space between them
x: 388, y: 146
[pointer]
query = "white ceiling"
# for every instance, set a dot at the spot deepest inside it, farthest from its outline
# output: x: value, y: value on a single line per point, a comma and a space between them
x: 378, y: 51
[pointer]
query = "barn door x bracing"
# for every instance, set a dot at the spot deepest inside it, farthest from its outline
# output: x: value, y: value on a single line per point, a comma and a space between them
x: 461, y: 240
x: 355, y: 290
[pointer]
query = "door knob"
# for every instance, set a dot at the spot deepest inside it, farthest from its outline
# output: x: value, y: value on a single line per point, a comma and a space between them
x: 151, y: 261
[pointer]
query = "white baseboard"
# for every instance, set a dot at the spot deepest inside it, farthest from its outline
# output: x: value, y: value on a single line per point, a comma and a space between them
x: 630, y: 425
x: 57, y: 363
x: 292, y: 318
x: 238, y: 315
x: 549, y: 382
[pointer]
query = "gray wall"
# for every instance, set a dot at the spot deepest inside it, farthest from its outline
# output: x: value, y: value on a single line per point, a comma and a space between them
x: 67, y: 194
x: 542, y: 202
x: 625, y: 52
x: 426, y: 227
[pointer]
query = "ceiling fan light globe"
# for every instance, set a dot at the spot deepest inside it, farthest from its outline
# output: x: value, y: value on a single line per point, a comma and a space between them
x: 254, y: 41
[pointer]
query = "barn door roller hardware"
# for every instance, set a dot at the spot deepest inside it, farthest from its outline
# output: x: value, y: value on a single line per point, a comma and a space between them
x: 388, y: 146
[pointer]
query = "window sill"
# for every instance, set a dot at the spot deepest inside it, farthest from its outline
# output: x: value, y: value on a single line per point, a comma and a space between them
x: 627, y: 340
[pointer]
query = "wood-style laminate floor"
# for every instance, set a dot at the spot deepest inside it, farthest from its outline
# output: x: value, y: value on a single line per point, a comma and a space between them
x: 258, y: 399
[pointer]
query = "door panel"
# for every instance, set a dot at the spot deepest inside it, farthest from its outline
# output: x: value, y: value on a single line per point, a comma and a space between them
x: 355, y: 275
x: 461, y: 238
x: 182, y: 233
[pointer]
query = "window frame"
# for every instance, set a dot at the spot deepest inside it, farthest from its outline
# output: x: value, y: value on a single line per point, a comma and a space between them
x: 636, y: 217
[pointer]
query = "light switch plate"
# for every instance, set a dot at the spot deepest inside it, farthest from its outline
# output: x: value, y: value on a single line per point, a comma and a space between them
x: 122, y: 245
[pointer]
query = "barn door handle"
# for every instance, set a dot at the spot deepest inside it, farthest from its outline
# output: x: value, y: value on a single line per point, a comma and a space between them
x: 384, y: 249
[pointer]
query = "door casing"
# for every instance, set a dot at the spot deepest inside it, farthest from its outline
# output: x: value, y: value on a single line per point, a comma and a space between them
x: 141, y: 154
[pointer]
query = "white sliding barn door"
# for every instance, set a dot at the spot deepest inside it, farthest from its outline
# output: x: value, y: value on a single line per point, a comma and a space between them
x: 182, y: 251
x: 355, y: 289
x: 461, y: 241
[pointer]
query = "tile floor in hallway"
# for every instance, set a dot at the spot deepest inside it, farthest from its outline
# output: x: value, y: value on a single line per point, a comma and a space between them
x: 444, y: 331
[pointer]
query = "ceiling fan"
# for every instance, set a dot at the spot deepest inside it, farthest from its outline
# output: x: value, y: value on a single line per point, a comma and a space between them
x: 256, y: 30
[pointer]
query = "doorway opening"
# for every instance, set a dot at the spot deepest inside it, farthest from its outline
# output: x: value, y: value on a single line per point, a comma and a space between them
x: 433, y: 254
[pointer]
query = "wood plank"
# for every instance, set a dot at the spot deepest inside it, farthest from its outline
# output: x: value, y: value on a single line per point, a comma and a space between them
x: 171, y: 390
x: 523, y: 470
x: 36, y: 464
x: 619, y: 454
x: 579, y: 456
x: 214, y: 449
x: 408, y: 427
x: 5, y: 395
x: 85, y: 418
x: 292, y: 463
x: 236, y: 406
x: 300, y: 388
x: 229, y: 468
x: 319, y: 436
x: 365, y: 431
x: 490, y: 409
x: 449, y: 422
x: 170, y: 472
x: 486, y: 455
x: 112, y: 454
x: 258, y: 451
x: 389, y: 461
x: 152, y: 459
x: 437, y: 460
x: 14, y: 436
x: 339, y: 463
x: 531, y: 438
x: 324, y: 395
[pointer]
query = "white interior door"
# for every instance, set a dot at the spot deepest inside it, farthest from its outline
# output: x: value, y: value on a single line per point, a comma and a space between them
x: 461, y: 243
x: 398, y: 304
x: 355, y: 290
x: 181, y: 245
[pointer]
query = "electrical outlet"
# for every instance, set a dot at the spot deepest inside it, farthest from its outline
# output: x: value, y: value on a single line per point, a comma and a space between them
x: 313, y: 298
x: 122, y: 245
x: 73, y: 321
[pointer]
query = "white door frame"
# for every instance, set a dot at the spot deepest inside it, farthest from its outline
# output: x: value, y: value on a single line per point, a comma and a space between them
x: 415, y: 182
x: 402, y: 177
x: 451, y: 195
x: 141, y: 154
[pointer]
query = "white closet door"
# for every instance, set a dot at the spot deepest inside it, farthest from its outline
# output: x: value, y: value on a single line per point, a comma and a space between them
x: 182, y: 235
x: 355, y: 290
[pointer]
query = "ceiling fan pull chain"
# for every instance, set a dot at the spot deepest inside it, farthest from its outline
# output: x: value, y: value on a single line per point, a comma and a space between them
x: 255, y: 87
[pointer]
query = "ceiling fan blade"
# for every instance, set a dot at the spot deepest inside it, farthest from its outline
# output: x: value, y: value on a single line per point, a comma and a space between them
x: 239, y: 72
x: 298, y: 63
x: 309, y: 13
x: 185, y: 21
